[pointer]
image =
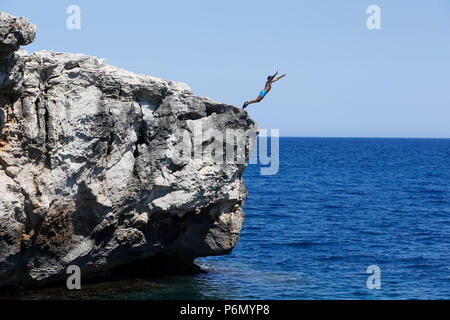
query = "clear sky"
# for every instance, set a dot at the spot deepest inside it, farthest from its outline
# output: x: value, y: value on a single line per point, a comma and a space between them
x: 343, y: 79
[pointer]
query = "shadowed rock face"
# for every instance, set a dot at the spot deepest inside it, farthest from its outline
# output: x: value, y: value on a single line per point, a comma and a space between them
x: 86, y: 174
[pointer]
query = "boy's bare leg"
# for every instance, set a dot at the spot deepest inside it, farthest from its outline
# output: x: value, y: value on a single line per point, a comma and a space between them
x: 258, y: 99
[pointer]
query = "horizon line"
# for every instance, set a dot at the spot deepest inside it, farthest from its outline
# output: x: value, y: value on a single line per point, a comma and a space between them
x: 355, y: 137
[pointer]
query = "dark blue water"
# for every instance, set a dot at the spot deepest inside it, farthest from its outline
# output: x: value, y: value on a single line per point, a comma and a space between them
x: 335, y: 207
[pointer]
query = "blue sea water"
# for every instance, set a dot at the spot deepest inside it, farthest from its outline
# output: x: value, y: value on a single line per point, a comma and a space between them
x: 336, y: 207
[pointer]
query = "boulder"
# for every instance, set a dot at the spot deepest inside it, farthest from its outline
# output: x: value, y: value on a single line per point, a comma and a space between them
x: 89, y: 167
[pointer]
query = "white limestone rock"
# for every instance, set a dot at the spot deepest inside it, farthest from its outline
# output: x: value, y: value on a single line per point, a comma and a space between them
x: 86, y: 175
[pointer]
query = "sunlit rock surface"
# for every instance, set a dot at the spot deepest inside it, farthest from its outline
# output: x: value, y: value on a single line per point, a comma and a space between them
x: 86, y: 172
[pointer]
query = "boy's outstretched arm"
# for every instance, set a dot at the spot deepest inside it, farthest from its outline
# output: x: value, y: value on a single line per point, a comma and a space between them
x: 279, y: 78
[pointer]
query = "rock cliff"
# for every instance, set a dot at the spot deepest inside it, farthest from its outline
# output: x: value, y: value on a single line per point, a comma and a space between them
x: 88, y: 172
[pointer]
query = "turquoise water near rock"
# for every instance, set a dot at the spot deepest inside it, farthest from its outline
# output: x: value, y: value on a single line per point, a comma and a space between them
x: 335, y: 207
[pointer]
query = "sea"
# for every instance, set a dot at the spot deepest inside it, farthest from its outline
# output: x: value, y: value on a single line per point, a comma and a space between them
x: 344, y: 218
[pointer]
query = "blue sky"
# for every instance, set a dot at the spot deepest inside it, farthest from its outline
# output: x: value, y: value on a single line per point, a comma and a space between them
x: 343, y: 79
